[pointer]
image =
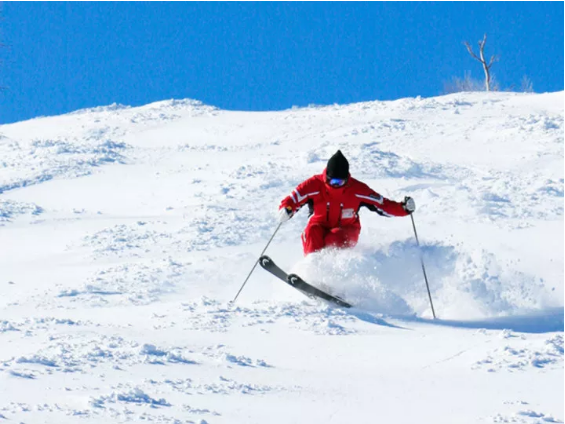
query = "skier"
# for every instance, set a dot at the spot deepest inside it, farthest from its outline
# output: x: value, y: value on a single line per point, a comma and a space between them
x: 334, y: 200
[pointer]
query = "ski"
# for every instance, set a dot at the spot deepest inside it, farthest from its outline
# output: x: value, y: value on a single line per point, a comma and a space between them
x: 299, y: 284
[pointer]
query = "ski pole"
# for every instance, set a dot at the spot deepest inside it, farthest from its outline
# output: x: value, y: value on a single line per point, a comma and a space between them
x: 423, y: 267
x: 256, y: 262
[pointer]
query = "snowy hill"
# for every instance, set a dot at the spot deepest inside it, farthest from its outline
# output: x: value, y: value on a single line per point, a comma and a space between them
x: 125, y: 232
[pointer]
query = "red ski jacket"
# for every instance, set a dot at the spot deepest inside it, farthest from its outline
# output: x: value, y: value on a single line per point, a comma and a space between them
x: 339, y: 207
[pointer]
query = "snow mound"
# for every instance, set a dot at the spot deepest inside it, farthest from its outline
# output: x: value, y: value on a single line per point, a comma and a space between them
x: 29, y: 162
x: 10, y: 209
x: 125, y: 233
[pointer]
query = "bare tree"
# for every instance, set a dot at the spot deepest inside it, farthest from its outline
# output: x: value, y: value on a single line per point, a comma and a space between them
x: 481, y: 58
x: 527, y: 86
x: 458, y: 85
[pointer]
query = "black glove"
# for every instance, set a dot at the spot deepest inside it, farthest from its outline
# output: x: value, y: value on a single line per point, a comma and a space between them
x: 408, y: 204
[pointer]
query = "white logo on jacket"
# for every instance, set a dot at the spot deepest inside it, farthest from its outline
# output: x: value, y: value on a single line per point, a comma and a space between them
x: 347, y: 213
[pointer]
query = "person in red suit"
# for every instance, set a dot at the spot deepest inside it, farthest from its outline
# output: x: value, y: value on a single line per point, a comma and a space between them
x: 334, y: 199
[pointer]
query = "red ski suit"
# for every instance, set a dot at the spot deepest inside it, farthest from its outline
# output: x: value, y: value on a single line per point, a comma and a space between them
x: 334, y: 212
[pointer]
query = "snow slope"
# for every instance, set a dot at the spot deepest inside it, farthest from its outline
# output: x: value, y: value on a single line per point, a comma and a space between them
x: 125, y: 232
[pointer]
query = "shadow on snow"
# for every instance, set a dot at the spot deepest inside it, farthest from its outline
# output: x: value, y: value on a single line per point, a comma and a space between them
x: 546, y: 321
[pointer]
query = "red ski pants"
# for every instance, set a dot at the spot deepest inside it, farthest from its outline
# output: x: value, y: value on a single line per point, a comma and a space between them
x: 315, y: 237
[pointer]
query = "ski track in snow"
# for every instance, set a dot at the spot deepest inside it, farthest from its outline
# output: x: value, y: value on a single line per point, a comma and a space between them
x: 126, y: 232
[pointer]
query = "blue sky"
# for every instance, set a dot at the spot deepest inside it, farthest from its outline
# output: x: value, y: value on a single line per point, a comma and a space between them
x: 263, y: 56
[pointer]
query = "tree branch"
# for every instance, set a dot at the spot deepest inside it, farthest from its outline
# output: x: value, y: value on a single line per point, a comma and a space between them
x: 483, y: 42
x: 493, y: 59
x: 470, y: 50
